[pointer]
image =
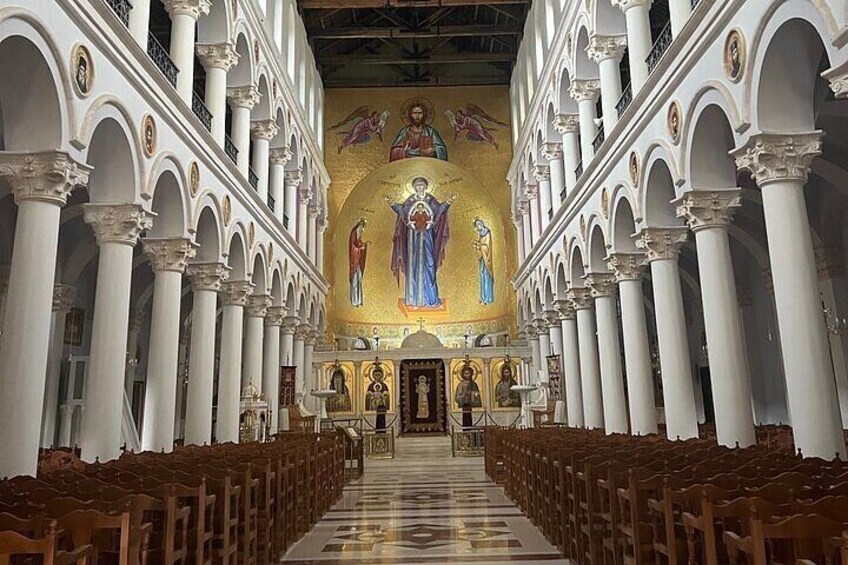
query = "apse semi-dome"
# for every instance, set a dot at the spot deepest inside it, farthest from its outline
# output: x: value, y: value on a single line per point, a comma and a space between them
x: 422, y: 339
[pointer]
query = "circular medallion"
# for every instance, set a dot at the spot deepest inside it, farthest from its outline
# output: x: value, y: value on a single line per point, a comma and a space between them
x: 673, y: 120
x: 82, y: 70
x: 148, y: 133
x: 226, y: 210
x: 194, y: 178
x: 634, y: 169
x: 735, y: 55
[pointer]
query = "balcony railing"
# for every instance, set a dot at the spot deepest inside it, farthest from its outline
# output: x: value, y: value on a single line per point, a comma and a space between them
x: 122, y: 10
x: 252, y: 178
x: 599, y: 139
x: 578, y: 172
x: 562, y: 193
x: 162, y: 60
x: 272, y: 202
x: 230, y: 149
x: 625, y: 100
x: 695, y: 3
x: 201, y: 111
x: 286, y: 221
x: 659, y: 48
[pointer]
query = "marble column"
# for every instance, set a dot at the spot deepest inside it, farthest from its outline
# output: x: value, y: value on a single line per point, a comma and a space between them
x: 312, y: 234
x: 206, y: 283
x: 276, y: 185
x: 117, y: 229
x: 271, y: 361
x: 780, y: 164
x: 636, y: 13
x: 544, y: 334
x: 590, y: 372
x: 542, y: 174
x: 4, y: 289
x: 571, y: 363
x: 568, y: 126
x: 184, y: 15
x: 586, y: 93
x: 292, y: 182
x: 628, y: 268
x: 533, y: 339
x: 526, y: 226
x: 139, y: 22
x: 234, y: 299
x: 40, y: 183
x: 63, y: 300
x: 308, y: 351
x: 262, y: 132
x: 254, y: 331
x: 168, y: 259
x: 603, y: 289
x: 242, y: 99
x: 552, y: 151
x: 531, y: 193
x: 833, y: 284
x: 217, y: 59
x: 519, y: 235
x: 300, y: 334
x: 607, y: 51
x: 287, y: 330
x: 708, y: 213
x: 679, y: 11
x: 552, y: 318
x: 304, y: 196
x: 662, y: 248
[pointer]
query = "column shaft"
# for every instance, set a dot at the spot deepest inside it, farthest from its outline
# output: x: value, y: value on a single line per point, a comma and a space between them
x: 571, y: 367
x: 612, y: 379
x: 640, y: 382
x: 557, y: 182
x: 610, y: 92
x: 229, y: 376
x: 638, y: 43
x: 679, y: 11
x: 201, y: 368
x: 271, y: 371
x: 261, y: 147
x: 302, y: 223
x: 54, y: 367
x: 253, y: 343
x: 588, y: 129
x: 182, y: 52
x: 139, y: 21
x: 593, y: 408
x: 275, y: 186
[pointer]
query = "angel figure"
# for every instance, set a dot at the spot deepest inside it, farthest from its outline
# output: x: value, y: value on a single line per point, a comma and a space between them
x: 359, y: 127
x: 469, y: 121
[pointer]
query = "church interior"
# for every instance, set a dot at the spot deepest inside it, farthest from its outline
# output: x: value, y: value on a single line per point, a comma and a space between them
x: 423, y: 281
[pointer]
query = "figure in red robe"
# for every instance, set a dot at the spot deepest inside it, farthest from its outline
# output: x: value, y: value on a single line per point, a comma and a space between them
x: 357, y: 251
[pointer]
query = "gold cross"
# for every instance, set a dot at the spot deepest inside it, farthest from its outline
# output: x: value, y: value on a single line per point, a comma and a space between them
x: 421, y: 324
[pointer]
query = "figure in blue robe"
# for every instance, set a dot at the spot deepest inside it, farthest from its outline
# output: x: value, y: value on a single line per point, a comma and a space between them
x: 483, y: 246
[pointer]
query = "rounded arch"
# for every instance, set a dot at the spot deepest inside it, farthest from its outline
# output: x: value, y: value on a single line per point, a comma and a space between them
x: 263, y: 109
x: 259, y: 272
x: 549, y: 297
x: 237, y: 255
x: 607, y: 19
x: 584, y: 68
x: 215, y: 27
x: 565, y: 103
x: 561, y: 278
x: 208, y: 235
x: 276, y: 288
x: 597, y: 248
x: 243, y: 73
x: 659, y: 181
x: 168, y: 202
x: 116, y: 177
x: 623, y: 224
x: 710, y: 163
x: 302, y: 306
x: 576, y: 266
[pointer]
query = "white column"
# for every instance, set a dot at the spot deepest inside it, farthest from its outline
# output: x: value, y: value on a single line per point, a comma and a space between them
x: 312, y: 234
x: 527, y: 227
x: 531, y: 192
x: 275, y: 20
x: 552, y: 318
x: 271, y: 360
x: 552, y: 151
x: 607, y: 51
x: 542, y: 174
x: 303, y: 198
x: 292, y: 181
x: 217, y: 60
x: 590, y: 373
x: 308, y: 350
x: 780, y: 164
x: 636, y: 14
x: 535, y: 363
x: 278, y: 156
x: 571, y: 363
x: 234, y: 298
x: 585, y: 93
x: 168, y: 258
x: 117, y: 228
x: 63, y: 300
x: 40, y: 183
x: 139, y: 21
x: 319, y: 244
x: 544, y: 334
x: 833, y: 285
x: 662, y: 247
x: 708, y: 213
x: 254, y: 328
x: 287, y: 330
x: 568, y: 126
x: 262, y: 132
x: 609, y: 353
x: 206, y: 279
x: 519, y: 236
x: 4, y: 289
x: 184, y: 15
x: 628, y: 268
x: 679, y: 11
x: 300, y: 333
x: 242, y: 100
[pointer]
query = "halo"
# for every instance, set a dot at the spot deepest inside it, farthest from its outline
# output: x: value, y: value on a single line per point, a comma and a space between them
x: 431, y: 182
x: 416, y: 101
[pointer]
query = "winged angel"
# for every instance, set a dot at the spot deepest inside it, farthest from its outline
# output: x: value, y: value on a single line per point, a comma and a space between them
x: 359, y: 127
x: 474, y: 123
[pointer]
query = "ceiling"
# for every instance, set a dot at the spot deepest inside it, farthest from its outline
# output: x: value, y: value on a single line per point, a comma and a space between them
x: 414, y: 42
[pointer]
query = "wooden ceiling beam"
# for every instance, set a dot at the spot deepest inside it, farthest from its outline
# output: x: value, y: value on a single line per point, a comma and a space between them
x: 335, y: 4
x: 394, y: 32
x: 453, y: 58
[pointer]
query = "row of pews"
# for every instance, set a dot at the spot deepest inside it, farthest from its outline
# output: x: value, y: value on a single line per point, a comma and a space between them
x: 226, y: 504
x: 625, y: 500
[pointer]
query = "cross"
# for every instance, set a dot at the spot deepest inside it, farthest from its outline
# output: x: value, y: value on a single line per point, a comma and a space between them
x: 421, y: 324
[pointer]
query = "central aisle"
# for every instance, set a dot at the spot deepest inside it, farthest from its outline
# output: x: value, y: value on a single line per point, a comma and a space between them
x: 424, y: 507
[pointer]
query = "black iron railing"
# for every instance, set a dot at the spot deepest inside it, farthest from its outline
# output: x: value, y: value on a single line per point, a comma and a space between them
x: 625, y: 100
x: 162, y: 60
x: 252, y: 178
x: 579, y: 170
x: 201, y: 111
x: 230, y: 149
x: 122, y: 9
x: 286, y: 221
x: 599, y: 139
x: 659, y: 48
x: 695, y: 3
x: 272, y: 202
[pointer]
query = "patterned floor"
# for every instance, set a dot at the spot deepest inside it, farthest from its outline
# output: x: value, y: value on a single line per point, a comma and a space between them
x: 424, y: 507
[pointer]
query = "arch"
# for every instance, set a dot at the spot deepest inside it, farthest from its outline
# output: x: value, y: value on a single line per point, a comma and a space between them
x: 276, y: 288
x: 215, y: 27
x: 659, y: 192
x: 597, y: 248
x: 565, y: 103
x: 259, y: 273
x: 301, y: 306
x: 584, y: 67
x: 116, y: 176
x: 237, y: 255
x: 607, y: 19
x: 281, y: 139
x: 710, y: 163
x: 243, y: 73
x: 290, y: 298
x: 623, y: 224
x: 549, y: 296
x: 561, y: 279
x: 263, y: 109
x: 208, y: 234
x: 169, y: 202
x: 577, y: 266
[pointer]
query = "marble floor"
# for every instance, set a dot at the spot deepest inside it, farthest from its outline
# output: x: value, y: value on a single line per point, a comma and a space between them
x: 424, y: 507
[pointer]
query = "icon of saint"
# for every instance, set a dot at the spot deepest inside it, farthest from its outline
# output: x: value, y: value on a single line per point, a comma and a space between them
x: 422, y: 389
x: 467, y: 392
x: 486, y: 273
x: 506, y: 397
x: 357, y: 251
x: 418, y: 138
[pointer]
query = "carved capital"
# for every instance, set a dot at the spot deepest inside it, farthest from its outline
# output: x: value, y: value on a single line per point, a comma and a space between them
x: 601, y: 284
x: 704, y: 209
x: 290, y: 324
x: 171, y: 254
x: 193, y: 8
x: 64, y: 296
x: 772, y: 157
x: 275, y: 315
x: 257, y: 305
x: 280, y: 155
x: 552, y: 150
x: 530, y: 192
x: 838, y: 79
x: 48, y: 176
x: 565, y: 309
x: 626, y: 266
x: 552, y: 317
x: 207, y: 276
x: 236, y: 293
x: 293, y: 178
x: 582, y: 90
x: 304, y: 194
x: 661, y: 243
x: 581, y: 298
x: 627, y: 4
x: 542, y: 327
x: 603, y: 47
x: 117, y: 223
x: 312, y: 337
x: 567, y: 123
x: 264, y: 129
x: 542, y: 173
x: 531, y: 331
x: 301, y: 332
x: 829, y: 263
x: 217, y: 56
x: 243, y: 96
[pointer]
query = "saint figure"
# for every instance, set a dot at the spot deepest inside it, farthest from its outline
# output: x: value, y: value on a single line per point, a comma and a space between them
x: 377, y: 395
x: 483, y: 246
x: 423, y: 391
x: 341, y: 401
x: 506, y: 397
x: 418, y: 138
x: 467, y: 392
x: 418, y: 247
x: 357, y: 250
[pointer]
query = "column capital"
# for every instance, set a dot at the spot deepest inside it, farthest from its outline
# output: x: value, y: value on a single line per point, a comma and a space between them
x: 581, y: 298
x: 257, y: 305
x: 542, y: 173
x: 290, y: 324
x: 243, y: 96
x: 625, y: 5
x: 236, y: 293
x: 264, y: 129
x: 552, y: 150
x: 171, y: 254
x: 703, y: 209
x: 585, y: 89
x: 565, y: 309
x: 207, y: 276
x: 275, y: 316
x: 301, y: 332
x: 280, y: 155
x: 542, y: 327
x: 774, y: 157
x: 829, y: 262
x: 304, y: 194
x: 193, y: 8
x: 117, y: 223
x: 551, y: 316
x: 626, y: 266
x: 312, y: 337
x: 47, y: 176
x: 313, y: 211
x: 64, y: 296
x: 293, y: 178
x: 838, y: 79
x: 530, y: 192
x: 661, y: 243
x: 567, y: 123
x: 217, y: 55
x: 603, y: 47
x: 601, y: 284
x: 531, y: 331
